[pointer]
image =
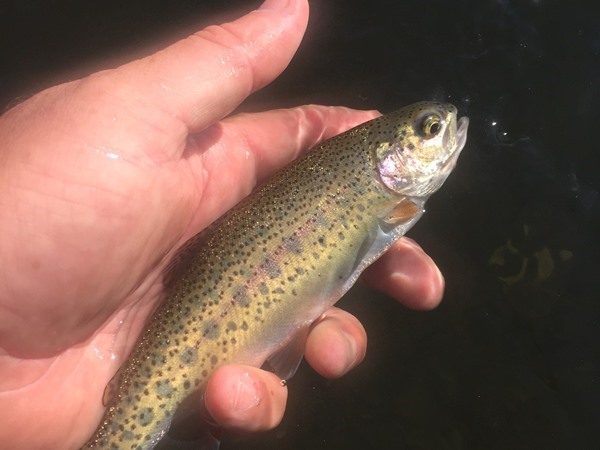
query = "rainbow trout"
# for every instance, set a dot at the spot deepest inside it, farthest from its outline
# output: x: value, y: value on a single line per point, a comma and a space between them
x: 248, y: 287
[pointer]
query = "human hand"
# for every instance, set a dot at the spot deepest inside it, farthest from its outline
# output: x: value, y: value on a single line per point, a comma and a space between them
x: 102, y: 179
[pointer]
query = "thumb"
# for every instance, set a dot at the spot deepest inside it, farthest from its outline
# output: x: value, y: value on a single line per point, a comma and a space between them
x: 198, y: 80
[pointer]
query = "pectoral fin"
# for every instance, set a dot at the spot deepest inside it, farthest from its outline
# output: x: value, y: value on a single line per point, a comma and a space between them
x: 284, y: 362
x: 403, y: 212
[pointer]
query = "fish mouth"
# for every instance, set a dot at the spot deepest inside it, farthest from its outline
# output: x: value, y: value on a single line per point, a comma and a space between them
x: 461, y: 133
x: 462, y: 126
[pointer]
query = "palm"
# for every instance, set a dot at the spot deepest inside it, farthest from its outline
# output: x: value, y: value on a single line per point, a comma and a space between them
x: 88, y: 277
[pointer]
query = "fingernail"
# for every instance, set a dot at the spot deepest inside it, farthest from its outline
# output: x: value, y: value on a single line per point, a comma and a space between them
x: 274, y: 4
x: 246, y: 395
x: 351, y: 349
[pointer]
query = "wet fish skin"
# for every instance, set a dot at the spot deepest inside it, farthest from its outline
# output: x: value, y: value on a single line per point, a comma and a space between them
x: 262, y: 273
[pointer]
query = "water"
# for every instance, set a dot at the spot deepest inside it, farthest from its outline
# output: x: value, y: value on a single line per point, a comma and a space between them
x: 510, y: 359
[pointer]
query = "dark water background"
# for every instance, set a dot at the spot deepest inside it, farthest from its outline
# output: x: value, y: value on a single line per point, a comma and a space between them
x: 511, y: 359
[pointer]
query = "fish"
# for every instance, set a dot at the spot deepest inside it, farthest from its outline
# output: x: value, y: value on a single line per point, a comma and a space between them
x: 247, y: 288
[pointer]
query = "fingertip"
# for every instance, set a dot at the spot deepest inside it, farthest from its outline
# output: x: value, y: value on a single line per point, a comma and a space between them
x: 409, y: 275
x: 245, y: 398
x: 336, y: 344
x: 418, y: 293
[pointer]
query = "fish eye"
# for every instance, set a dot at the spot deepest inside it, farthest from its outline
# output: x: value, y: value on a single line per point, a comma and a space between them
x: 430, y: 126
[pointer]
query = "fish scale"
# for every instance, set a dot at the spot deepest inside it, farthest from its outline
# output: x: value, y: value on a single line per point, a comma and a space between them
x: 261, y: 274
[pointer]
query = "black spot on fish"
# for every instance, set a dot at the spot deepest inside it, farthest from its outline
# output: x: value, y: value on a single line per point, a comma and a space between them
x: 263, y: 289
x: 164, y: 388
x: 210, y: 329
x: 188, y: 356
x: 270, y: 266
x: 240, y: 296
x: 145, y: 417
x: 127, y: 435
x: 294, y: 245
